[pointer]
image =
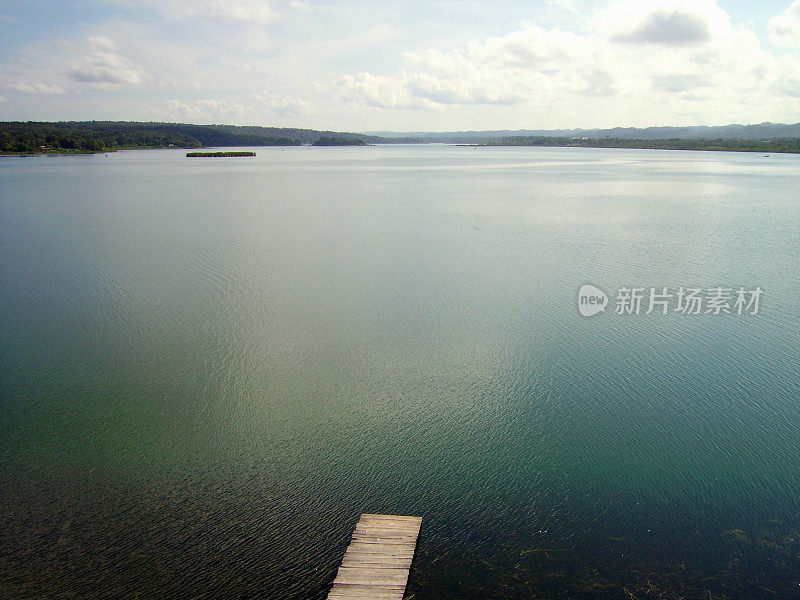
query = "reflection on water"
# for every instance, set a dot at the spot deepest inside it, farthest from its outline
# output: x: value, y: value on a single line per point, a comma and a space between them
x: 211, y: 370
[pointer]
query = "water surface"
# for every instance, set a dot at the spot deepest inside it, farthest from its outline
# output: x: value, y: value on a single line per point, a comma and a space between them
x: 211, y: 367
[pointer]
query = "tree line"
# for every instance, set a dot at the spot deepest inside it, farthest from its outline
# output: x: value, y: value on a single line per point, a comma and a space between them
x: 730, y: 145
x: 103, y: 136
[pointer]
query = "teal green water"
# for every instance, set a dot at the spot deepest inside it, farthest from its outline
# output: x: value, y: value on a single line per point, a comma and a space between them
x: 211, y: 367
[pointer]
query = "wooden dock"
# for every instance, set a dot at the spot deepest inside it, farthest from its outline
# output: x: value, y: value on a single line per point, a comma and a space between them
x: 377, y: 561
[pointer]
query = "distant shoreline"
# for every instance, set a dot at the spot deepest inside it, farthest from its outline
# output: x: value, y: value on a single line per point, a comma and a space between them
x: 86, y: 137
x: 90, y: 137
x: 690, y: 146
x: 701, y: 145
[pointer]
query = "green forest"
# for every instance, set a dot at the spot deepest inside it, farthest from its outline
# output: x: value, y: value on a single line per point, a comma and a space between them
x: 339, y: 141
x: 729, y: 145
x: 105, y: 136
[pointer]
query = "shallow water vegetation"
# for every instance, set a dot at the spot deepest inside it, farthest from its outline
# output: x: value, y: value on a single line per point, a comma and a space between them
x: 710, y: 569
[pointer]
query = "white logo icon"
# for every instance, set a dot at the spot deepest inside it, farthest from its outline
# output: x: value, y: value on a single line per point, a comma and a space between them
x: 591, y: 300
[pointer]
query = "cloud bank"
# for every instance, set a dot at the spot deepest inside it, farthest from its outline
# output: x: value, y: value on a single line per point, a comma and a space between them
x: 785, y: 29
x: 654, y: 59
x: 392, y: 65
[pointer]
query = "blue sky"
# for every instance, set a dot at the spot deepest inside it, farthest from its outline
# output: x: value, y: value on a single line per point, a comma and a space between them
x: 403, y: 66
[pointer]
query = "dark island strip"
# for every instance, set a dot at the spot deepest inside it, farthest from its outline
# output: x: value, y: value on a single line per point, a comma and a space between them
x: 217, y: 154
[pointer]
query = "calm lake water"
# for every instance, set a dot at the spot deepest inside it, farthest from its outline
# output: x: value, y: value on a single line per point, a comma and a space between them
x: 211, y: 367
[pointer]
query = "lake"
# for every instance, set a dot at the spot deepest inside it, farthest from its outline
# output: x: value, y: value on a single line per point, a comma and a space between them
x: 212, y: 367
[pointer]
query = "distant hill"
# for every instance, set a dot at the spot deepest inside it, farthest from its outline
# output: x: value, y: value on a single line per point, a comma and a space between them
x: 103, y: 136
x: 790, y: 146
x: 760, y: 132
x: 99, y: 136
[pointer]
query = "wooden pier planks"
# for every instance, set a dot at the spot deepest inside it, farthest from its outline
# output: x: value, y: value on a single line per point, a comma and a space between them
x: 378, y: 559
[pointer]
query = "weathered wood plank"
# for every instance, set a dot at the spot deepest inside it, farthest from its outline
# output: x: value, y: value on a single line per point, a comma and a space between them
x: 392, y: 533
x: 366, y: 593
x: 349, y: 591
x: 377, y: 517
x: 372, y: 576
x: 378, y: 548
x: 390, y: 561
x: 376, y: 564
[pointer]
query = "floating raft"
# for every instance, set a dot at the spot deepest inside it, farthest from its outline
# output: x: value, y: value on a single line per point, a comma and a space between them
x: 376, y: 563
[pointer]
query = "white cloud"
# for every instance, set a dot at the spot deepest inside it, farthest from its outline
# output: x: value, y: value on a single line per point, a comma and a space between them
x: 101, y: 66
x: 234, y: 64
x: 567, y: 5
x: 249, y: 110
x: 207, y: 110
x: 679, y: 82
x: 60, y: 67
x: 530, y: 65
x: 788, y: 83
x: 784, y: 29
x: 378, y: 90
x: 701, y: 69
x: 670, y: 28
x: 229, y: 11
x: 3, y: 99
x: 379, y: 67
x: 300, y: 6
x: 662, y: 22
x: 43, y: 89
x: 283, y: 105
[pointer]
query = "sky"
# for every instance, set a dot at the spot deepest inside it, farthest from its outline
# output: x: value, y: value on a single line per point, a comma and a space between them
x: 414, y: 65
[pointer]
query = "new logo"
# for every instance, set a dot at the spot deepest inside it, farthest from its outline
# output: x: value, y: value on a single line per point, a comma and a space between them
x: 591, y: 300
